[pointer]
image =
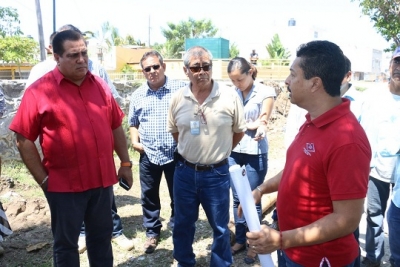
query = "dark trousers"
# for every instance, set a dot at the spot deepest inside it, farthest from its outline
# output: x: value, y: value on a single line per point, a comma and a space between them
x: 68, y: 210
x: 117, y: 223
x: 150, y: 178
x: 377, y: 197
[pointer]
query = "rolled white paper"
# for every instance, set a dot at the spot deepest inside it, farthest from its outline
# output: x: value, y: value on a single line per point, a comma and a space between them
x: 243, y: 190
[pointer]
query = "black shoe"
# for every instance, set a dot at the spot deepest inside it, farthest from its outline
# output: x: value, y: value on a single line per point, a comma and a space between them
x: 368, y: 263
x: 151, y: 244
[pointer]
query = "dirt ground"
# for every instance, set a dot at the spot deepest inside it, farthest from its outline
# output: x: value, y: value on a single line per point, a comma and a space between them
x: 31, y: 243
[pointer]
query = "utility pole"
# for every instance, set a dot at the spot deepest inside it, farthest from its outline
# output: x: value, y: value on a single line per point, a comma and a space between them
x: 54, y: 15
x: 149, y: 32
x: 40, y: 30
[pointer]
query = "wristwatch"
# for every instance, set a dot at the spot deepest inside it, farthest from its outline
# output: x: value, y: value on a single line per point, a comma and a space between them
x: 126, y: 164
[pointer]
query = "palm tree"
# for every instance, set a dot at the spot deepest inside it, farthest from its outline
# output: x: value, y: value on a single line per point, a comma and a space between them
x: 276, y: 50
x: 177, y: 33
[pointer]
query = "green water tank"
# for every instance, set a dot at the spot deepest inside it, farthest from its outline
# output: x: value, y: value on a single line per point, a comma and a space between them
x: 219, y: 47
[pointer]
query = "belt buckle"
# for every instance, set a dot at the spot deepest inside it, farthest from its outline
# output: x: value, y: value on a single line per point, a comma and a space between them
x: 196, y: 167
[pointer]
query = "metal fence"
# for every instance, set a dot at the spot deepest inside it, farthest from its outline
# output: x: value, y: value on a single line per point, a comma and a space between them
x: 120, y: 76
x: 273, y: 70
x: 14, y: 73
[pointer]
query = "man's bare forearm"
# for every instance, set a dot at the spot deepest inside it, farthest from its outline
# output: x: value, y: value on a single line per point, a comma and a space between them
x: 120, y: 144
x: 30, y: 156
x: 236, y: 138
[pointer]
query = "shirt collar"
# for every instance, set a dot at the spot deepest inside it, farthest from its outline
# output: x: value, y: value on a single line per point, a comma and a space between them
x: 331, y: 115
x: 59, y: 76
x: 166, y: 86
x: 215, y: 91
x: 251, y: 94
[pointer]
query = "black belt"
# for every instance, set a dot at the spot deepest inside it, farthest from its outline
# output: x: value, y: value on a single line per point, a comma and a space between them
x: 202, y: 167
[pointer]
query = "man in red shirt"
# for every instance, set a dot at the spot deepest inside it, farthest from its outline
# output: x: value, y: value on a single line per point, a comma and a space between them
x: 78, y: 124
x: 322, y: 187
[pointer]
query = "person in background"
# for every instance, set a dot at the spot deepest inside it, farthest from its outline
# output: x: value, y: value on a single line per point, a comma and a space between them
x: 79, y: 125
x: 2, y: 111
x: 389, y: 146
x: 206, y: 120
x: 322, y: 187
x: 44, y: 66
x: 5, y: 228
x: 380, y: 105
x: 148, y: 121
x: 96, y: 69
x: 253, y: 57
x: 252, y: 150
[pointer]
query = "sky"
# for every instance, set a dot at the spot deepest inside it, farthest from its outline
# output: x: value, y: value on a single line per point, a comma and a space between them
x: 249, y: 24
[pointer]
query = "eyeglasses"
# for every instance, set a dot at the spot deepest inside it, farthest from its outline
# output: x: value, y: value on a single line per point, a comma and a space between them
x: 200, y: 113
x: 148, y: 69
x: 396, y: 61
x: 198, y: 68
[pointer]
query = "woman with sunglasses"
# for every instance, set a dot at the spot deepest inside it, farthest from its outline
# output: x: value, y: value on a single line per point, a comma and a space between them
x: 252, y: 150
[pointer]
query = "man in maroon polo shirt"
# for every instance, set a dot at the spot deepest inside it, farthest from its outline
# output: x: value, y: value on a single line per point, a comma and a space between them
x: 322, y: 187
x: 78, y: 124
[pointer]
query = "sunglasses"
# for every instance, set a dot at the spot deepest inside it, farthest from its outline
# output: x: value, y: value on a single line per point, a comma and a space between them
x: 155, y: 67
x: 198, y: 69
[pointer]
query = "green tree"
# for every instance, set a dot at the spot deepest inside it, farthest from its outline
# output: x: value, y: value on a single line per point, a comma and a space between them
x: 130, y: 40
x: 107, y: 37
x: 9, y: 22
x: 18, y: 50
x: 234, y: 50
x: 116, y: 39
x: 385, y: 14
x: 276, y: 50
x: 167, y: 50
x: 88, y: 34
x: 13, y: 47
x: 177, y: 33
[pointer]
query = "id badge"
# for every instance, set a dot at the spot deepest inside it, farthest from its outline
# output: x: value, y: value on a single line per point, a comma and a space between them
x: 195, y: 127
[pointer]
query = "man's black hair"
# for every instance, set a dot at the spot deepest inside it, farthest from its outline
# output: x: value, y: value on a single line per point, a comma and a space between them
x: 61, y: 37
x: 325, y: 60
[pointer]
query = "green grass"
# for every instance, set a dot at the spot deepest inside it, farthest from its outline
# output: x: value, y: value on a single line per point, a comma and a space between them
x: 17, y: 171
x: 361, y: 88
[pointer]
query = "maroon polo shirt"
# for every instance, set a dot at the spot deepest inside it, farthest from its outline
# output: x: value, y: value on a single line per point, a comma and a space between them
x: 327, y: 161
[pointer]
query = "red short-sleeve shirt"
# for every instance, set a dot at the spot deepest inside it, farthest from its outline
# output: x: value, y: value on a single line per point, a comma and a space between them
x: 75, y: 128
x: 328, y: 161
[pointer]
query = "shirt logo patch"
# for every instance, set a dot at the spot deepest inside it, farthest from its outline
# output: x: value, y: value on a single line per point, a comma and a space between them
x: 309, y: 148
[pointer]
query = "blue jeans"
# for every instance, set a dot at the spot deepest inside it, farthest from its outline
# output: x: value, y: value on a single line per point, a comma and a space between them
x: 117, y: 224
x: 290, y: 263
x: 211, y: 190
x: 377, y: 198
x: 150, y: 179
x: 94, y: 208
x: 256, y: 169
x: 393, y: 218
